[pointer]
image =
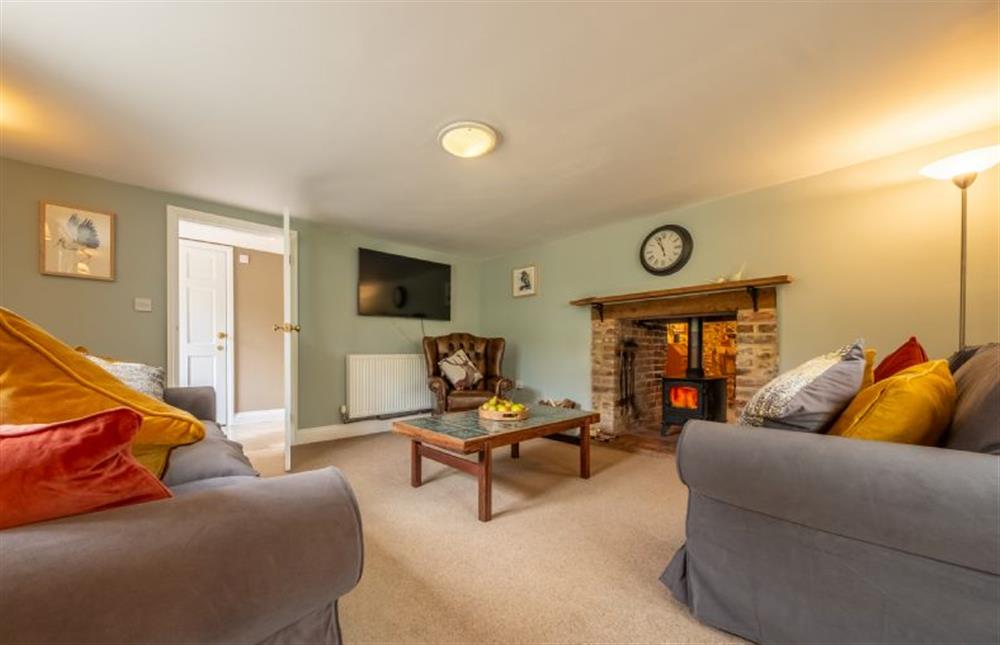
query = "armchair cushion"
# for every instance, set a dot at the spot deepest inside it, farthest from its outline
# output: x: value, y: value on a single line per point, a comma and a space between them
x: 460, y: 371
x: 467, y: 399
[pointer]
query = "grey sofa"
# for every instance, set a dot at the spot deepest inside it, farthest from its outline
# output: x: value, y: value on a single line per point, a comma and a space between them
x: 232, y: 558
x: 809, y: 538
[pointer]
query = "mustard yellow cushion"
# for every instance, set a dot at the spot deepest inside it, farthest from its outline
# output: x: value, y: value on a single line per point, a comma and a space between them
x: 912, y: 406
x: 43, y: 380
x: 868, y: 378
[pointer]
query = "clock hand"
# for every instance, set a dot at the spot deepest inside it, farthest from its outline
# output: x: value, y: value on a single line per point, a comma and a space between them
x: 660, y: 242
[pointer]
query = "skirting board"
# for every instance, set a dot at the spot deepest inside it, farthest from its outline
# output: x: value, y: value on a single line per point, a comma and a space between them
x: 259, y: 416
x: 344, y: 430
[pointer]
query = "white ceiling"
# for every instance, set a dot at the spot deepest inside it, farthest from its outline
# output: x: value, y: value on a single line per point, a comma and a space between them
x: 606, y: 111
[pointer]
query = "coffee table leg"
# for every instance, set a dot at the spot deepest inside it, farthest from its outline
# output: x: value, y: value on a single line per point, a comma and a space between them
x: 585, y: 451
x: 415, y: 475
x: 515, y: 450
x: 485, y: 484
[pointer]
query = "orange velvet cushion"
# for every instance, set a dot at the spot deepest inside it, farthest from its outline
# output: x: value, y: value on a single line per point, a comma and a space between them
x: 42, y: 380
x: 913, y: 406
x: 71, y: 467
x: 906, y: 355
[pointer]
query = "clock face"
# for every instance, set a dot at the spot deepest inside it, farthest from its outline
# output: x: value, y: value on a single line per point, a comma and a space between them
x: 666, y: 250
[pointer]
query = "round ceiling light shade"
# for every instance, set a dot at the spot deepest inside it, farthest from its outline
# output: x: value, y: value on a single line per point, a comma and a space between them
x: 468, y: 139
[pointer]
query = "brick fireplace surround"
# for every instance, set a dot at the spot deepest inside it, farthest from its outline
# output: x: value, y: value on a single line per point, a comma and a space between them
x: 756, y: 354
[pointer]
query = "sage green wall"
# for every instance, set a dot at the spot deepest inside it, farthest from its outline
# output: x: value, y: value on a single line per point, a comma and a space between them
x: 873, y: 250
x: 99, y: 315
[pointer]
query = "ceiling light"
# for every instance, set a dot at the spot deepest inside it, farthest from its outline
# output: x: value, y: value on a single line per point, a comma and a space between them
x: 468, y: 139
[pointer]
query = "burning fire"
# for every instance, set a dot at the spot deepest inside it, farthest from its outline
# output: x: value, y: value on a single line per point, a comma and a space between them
x: 684, y: 396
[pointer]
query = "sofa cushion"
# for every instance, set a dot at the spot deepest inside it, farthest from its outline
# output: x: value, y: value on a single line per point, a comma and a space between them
x: 809, y: 397
x: 869, y: 373
x: 42, y: 380
x: 906, y: 355
x: 71, y: 467
x: 140, y: 377
x: 975, y: 425
x: 214, y: 456
x: 912, y: 406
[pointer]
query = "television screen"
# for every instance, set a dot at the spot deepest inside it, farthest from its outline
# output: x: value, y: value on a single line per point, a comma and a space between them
x: 394, y: 285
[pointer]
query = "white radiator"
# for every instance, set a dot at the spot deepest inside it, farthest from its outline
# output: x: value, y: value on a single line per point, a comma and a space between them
x: 384, y: 384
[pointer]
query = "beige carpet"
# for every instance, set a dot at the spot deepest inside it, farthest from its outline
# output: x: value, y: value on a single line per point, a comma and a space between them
x: 563, y: 561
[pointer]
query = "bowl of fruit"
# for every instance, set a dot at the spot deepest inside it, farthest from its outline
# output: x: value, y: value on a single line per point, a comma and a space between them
x: 498, y: 409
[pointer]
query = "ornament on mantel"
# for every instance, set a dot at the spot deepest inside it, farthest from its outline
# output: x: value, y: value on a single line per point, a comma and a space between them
x: 733, y: 277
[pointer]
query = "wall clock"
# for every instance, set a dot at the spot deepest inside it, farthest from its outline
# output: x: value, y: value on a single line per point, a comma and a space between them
x: 666, y: 250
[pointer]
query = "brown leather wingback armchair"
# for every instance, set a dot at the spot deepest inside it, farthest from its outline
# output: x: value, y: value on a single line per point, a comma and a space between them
x: 486, y: 353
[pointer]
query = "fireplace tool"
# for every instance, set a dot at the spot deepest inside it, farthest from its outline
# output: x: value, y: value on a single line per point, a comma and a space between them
x: 626, y: 378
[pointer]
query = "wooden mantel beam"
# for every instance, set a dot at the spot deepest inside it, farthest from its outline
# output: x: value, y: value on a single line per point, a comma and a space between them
x: 698, y: 289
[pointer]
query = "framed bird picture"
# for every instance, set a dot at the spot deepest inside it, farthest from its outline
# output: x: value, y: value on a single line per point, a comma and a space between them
x: 76, y: 242
x: 524, y: 281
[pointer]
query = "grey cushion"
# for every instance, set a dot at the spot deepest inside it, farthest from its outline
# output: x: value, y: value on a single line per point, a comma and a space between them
x: 810, y: 397
x: 957, y: 360
x: 213, y: 456
x: 143, y: 378
x: 975, y: 425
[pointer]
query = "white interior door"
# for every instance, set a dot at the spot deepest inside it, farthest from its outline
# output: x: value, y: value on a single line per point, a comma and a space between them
x: 290, y: 329
x: 204, y: 318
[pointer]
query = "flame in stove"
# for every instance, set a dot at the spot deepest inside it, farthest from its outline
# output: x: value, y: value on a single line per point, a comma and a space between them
x: 684, y: 396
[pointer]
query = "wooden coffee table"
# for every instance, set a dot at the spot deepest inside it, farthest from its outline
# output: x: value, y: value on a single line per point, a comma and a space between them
x: 443, y: 438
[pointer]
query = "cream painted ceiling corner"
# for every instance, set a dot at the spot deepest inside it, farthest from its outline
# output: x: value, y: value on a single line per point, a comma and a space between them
x: 605, y: 111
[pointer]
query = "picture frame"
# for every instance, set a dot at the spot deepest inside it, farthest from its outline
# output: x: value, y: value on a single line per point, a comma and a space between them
x: 75, y: 242
x: 524, y: 281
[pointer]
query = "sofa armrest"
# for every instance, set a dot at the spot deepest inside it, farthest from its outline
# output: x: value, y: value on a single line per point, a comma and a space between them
x: 937, y: 503
x: 199, y: 401
x: 227, y: 565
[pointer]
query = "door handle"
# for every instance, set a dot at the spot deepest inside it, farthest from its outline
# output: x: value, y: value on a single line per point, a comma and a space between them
x: 286, y: 327
x: 221, y: 335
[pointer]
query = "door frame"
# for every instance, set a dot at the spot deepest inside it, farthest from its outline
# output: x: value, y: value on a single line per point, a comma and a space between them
x: 174, y: 215
x: 230, y: 324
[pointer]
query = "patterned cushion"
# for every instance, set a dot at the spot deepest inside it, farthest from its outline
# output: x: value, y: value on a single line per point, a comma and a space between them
x: 140, y: 377
x: 810, y: 397
x: 460, y: 371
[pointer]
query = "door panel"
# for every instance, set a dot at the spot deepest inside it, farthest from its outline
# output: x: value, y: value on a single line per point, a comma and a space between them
x: 204, y: 330
x: 291, y: 311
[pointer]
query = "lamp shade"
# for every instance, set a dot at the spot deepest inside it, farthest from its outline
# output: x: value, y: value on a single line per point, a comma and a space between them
x: 970, y: 161
x: 468, y: 139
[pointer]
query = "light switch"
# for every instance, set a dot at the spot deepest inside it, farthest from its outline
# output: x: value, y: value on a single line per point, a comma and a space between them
x: 143, y: 304
x: 244, y: 258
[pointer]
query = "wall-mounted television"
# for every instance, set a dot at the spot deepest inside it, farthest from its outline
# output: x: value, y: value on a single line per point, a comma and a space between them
x: 395, y: 285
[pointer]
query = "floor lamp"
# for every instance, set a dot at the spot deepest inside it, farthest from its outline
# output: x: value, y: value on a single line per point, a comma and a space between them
x: 962, y: 169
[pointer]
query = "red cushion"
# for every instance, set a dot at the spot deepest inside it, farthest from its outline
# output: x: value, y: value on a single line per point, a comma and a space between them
x: 70, y: 467
x: 906, y: 355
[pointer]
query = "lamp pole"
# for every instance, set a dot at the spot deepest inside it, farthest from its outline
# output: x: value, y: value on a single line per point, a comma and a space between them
x: 963, y: 182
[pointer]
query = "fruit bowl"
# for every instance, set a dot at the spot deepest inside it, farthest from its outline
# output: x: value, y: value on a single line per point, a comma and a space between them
x: 497, y: 409
x: 490, y: 415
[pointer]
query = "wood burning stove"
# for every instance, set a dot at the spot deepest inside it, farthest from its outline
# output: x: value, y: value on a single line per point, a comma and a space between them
x: 694, y: 396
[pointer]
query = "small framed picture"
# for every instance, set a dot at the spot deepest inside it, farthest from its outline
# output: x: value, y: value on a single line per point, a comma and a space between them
x: 76, y: 242
x: 525, y: 281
